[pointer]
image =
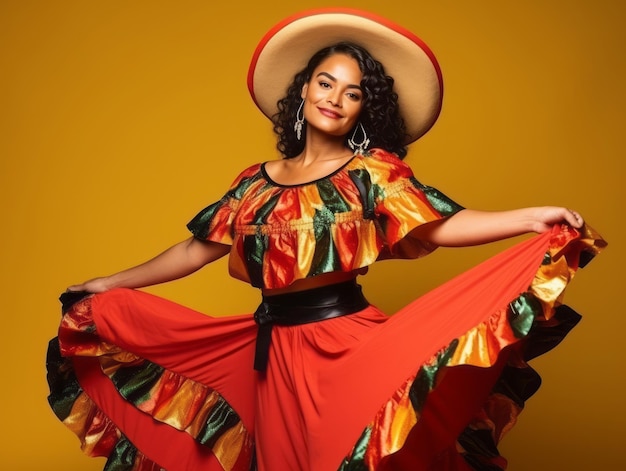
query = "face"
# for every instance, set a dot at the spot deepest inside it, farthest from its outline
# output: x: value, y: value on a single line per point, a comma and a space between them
x: 333, y: 97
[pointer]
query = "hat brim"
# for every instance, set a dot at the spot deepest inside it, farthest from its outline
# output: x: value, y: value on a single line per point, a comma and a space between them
x: 286, y: 48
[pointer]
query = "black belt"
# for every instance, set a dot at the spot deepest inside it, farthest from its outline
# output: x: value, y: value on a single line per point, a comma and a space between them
x: 303, y: 307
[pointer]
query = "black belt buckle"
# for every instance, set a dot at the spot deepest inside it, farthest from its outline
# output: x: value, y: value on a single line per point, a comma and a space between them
x: 262, y: 314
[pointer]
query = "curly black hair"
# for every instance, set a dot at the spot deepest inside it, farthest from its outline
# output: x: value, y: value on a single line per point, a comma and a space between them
x: 380, y: 114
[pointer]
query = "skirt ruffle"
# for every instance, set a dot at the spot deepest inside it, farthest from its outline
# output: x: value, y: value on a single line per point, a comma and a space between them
x: 433, y: 387
x: 119, y: 403
x: 452, y: 413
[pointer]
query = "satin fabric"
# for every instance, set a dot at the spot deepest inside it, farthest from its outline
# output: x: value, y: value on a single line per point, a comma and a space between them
x: 345, y: 221
x: 325, y: 401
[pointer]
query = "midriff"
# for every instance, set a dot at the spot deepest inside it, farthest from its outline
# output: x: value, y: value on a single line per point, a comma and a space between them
x: 317, y: 281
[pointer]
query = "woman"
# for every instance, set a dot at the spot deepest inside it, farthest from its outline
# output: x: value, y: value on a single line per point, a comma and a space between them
x: 336, y: 384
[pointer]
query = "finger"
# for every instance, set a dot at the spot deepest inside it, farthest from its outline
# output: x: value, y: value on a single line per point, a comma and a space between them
x: 574, y: 218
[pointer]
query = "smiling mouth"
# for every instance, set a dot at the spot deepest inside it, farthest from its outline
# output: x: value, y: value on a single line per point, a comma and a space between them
x: 329, y: 113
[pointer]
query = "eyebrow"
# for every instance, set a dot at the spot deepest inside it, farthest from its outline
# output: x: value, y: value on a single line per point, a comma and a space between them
x: 326, y: 74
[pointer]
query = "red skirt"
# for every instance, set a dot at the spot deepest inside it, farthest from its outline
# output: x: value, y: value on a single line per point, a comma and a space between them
x: 151, y: 384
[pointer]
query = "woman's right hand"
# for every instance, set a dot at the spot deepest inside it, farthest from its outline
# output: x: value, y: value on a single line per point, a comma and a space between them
x: 95, y: 285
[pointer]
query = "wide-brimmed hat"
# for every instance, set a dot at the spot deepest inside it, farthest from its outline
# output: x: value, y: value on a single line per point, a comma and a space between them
x: 287, y: 47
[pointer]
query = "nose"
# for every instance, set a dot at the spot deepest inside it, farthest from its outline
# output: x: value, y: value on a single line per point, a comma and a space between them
x: 334, y: 98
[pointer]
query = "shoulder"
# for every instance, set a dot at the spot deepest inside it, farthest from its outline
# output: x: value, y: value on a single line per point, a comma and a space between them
x: 383, y: 165
x: 250, y: 171
x: 246, y: 175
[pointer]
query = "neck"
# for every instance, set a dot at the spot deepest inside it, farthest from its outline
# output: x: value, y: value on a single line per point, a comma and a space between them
x: 323, y: 147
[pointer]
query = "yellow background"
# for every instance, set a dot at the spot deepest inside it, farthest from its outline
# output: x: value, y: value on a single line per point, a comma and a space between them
x: 119, y: 120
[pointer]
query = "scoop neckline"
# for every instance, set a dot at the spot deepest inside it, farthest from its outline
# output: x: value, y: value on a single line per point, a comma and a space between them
x: 311, y: 182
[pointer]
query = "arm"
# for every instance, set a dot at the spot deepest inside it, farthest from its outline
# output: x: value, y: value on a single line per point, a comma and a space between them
x: 471, y: 227
x: 176, y: 262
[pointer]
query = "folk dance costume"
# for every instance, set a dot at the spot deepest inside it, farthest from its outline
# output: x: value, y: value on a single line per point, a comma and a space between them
x: 320, y: 379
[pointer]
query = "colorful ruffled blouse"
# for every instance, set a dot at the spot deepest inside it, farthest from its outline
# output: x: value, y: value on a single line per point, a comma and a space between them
x: 347, y: 220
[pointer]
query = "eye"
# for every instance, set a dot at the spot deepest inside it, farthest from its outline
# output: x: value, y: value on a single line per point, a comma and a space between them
x: 354, y: 96
x: 324, y: 84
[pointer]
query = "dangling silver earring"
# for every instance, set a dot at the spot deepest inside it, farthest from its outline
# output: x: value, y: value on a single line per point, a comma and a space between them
x: 297, y: 127
x: 359, y: 146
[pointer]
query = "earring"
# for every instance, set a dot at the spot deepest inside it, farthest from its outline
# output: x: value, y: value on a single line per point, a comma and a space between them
x: 297, y: 127
x: 359, y: 146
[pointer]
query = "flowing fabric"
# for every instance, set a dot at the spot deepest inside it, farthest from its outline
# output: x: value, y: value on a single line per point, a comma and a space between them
x: 151, y: 384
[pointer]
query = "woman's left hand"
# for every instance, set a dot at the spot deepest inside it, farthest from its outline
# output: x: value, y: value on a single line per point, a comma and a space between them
x: 547, y: 216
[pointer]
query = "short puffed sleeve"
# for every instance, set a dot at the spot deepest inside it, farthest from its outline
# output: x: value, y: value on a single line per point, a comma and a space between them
x: 401, y: 203
x: 215, y: 222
